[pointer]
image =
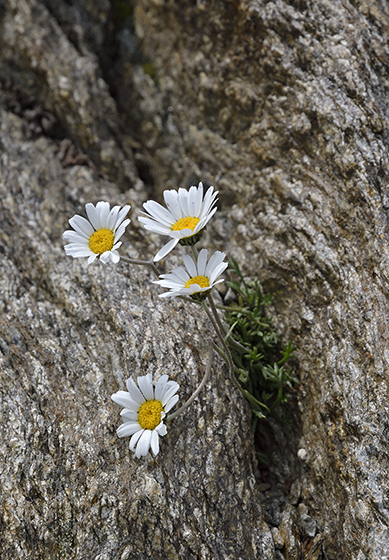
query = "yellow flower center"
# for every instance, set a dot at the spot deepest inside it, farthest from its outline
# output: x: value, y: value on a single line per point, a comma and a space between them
x: 101, y: 241
x: 202, y: 281
x: 185, y: 223
x: 149, y: 414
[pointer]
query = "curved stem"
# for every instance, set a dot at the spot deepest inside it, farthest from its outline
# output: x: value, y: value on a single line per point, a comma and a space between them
x: 192, y: 397
x: 150, y: 264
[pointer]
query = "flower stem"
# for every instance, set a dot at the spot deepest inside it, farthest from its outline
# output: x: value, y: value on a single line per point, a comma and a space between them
x: 194, y: 251
x: 150, y: 264
x: 192, y: 397
x: 227, y: 335
x: 223, y: 342
x: 231, y: 367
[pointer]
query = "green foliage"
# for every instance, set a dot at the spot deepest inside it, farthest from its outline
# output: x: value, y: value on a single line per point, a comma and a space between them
x: 149, y: 69
x: 255, y: 346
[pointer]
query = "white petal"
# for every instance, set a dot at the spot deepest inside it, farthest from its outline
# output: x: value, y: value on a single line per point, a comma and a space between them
x: 115, y: 257
x: 105, y: 257
x: 159, y: 213
x: 171, y: 402
x: 122, y: 215
x: 92, y: 258
x: 134, y: 439
x: 81, y: 226
x: 171, y: 201
x: 192, y: 201
x: 146, y: 386
x: 135, y: 394
x: 78, y: 246
x: 174, y: 279
x: 181, y: 274
x: 160, y: 387
x: 73, y: 236
x: 187, y: 232
x: 128, y: 429
x: 170, y: 294
x: 161, y: 429
x: 77, y: 253
x: 154, y: 443
x: 154, y: 226
x: 214, y: 261
x: 208, y: 202
x: 177, y: 233
x: 165, y: 250
x: 169, y: 393
x: 183, y: 197
x: 195, y: 288
x: 190, y: 266
x: 124, y: 399
x: 199, y: 200
x: 112, y: 218
x: 171, y: 284
x: 216, y: 273
x: 129, y: 414
x: 143, y: 444
x: 93, y: 215
x: 120, y: 231
x: 103, y: 208
x: 202, y: 262
x: 203, y: 222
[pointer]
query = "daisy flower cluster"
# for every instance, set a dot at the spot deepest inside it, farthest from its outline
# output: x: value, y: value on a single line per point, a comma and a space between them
x: 183, y: 220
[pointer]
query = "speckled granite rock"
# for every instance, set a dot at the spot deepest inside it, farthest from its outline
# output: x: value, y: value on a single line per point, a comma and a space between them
x: 38, y: 57
x: 283, y: 106
x: 70, y: 335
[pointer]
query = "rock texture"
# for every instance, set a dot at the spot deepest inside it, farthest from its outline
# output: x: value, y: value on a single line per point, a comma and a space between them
x: 70, y: 337
x: 282, y: 105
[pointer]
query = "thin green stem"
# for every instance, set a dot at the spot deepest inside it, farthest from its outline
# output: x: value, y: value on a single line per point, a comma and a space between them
x: 194, y: 251
x: 192, y: 397
x: 150, y: 264
x: 222, y: 354
x: 228, y: 334
x: 231, y: 367
x: 225, y: 347
x: 216, y: 314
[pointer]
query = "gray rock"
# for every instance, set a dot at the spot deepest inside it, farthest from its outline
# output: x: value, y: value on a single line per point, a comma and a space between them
x: 289, y: 533
x: 277, y: 538
x: 308, y: 525
x: 40, y: 59
x: 283, y: 107
x: 70, y: 336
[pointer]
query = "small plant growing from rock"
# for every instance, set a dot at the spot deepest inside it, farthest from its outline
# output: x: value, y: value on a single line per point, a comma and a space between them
x: 260, y: 359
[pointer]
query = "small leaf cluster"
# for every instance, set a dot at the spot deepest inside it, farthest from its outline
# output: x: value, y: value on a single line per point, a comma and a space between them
x: 259, y: 357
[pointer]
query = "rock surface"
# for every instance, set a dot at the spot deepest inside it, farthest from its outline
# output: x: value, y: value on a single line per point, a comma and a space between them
x: 70, y: 336
x: 282, y: 105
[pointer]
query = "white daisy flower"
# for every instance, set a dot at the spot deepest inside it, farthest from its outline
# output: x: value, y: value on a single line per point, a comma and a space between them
x: 196, y: 279
x: 185, y: 218
x: 144, y: 410
x: 99, y: 236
